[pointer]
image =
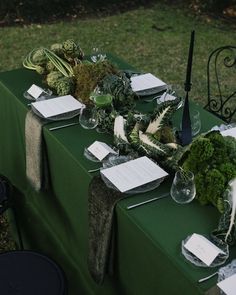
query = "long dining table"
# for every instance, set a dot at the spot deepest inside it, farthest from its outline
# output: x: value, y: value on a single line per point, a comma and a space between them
x: 147, y: 256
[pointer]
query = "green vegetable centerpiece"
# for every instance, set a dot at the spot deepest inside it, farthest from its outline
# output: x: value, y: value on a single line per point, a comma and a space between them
x: 212, y: 159
x: 65, y: 71
x: 56, y: 65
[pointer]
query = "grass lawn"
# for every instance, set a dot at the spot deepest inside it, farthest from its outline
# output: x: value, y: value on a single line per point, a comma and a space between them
x: 153, y: 39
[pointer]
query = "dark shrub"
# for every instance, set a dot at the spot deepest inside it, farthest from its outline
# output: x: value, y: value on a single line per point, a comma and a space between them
x: 41, y: 10
x: 216, y: 6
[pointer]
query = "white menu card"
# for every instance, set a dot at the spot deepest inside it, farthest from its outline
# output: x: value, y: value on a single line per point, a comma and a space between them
x: 228, y: 286
x: 134, y: 173
x: 146, y: 81
x: 35, y: 91
x: 100, y: 150
x: 57, y: 106
x: 202, y: 248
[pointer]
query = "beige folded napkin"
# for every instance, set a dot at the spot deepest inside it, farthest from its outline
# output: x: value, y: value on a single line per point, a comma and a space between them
x: 36, y: 162
x: 101, y: 204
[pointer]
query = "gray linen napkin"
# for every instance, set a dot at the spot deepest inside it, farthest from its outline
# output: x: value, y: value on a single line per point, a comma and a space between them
x: 36, y: 164
x: 101, y: 204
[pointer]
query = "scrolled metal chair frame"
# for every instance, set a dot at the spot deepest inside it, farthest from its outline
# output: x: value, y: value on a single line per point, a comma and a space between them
x: 218, y: 105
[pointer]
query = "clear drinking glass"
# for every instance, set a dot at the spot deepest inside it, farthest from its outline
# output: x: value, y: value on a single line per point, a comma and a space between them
x: 183, y: 188
x: 97, y: 55
x: 88, y: 118
x: 195, y: 122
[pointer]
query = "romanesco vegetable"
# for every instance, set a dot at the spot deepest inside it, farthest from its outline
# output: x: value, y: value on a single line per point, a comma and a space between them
x: 52, y: 78
x: 64, y: 86
x: 230, y: 144
x: 215, y: 184
x: 202, y: 149
x: 220, y: 150
x: 211, y: 158
x: 228, y: 170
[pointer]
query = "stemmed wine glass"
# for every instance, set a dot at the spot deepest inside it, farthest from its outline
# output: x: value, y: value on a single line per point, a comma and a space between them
x: 103, y: 105
x: 97, y: 55
x: 195, y: 122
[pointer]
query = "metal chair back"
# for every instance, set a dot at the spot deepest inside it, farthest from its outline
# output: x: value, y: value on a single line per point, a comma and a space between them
x: 221, y: 83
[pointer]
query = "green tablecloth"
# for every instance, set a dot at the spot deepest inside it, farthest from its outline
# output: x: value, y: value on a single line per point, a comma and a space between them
x: 148, y: 256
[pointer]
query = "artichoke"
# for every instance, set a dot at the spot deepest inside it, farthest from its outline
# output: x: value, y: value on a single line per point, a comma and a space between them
x: 69, y: 46
x: 72, y: 50
x: 52, y: 78
x: 39, y: 57
x: 57, y: 48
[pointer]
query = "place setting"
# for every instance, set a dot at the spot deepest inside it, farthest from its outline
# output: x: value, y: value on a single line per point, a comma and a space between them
x: 124, y: 173
x: 48, y: 106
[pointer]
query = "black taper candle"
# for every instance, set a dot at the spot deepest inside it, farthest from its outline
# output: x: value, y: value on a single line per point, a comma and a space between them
x: 186, y: 133
x: 189, y: 65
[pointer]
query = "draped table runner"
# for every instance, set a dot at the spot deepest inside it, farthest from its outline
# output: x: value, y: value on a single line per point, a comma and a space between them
x: 36, y: 159
x: 101, y: 204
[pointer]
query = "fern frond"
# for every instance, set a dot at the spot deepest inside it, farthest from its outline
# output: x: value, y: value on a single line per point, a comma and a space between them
x: 134, y: 135
x: 119, y: 130
x: 163, y: 114
x: 153, y: 146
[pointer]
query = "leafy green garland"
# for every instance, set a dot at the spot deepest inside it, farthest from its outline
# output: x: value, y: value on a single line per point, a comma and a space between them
x: 150, y: 135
